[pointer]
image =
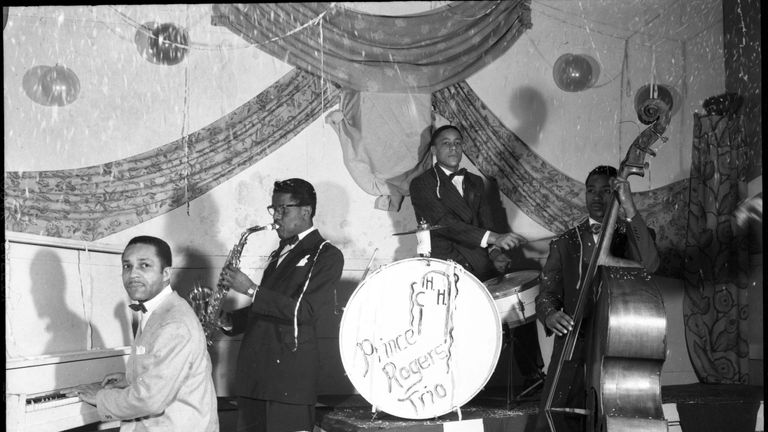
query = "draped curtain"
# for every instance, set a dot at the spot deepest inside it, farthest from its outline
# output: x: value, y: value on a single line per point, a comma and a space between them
x: 715, y: 306
x: 384, y: 139
x: 387, y: 67
x: 93, y: 202
x: 417, y: 53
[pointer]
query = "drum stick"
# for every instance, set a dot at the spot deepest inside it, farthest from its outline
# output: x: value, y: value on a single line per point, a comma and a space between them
x: 542, y: 239
x: 368, y: 268
x: 338, y: 310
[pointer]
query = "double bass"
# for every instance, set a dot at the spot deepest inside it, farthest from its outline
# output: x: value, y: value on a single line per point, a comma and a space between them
x: 626, y: 339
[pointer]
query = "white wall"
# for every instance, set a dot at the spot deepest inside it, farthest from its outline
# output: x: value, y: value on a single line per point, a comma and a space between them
x: 128, y: 105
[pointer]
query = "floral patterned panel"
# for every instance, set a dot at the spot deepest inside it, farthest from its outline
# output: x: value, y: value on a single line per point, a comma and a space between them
x: 715, y: 305
x: 93, y: 202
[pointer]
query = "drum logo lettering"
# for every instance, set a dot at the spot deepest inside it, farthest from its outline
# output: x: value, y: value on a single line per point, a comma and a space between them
x: 411, y: 361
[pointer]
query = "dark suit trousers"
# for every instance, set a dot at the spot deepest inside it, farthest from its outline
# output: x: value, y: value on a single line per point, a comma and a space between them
x: 257, y: 415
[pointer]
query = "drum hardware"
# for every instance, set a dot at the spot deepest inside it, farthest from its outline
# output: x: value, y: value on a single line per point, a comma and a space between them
x: 423, y: 238
x: 514, y: 344
x: 338, y: 310
x: 514, y: 295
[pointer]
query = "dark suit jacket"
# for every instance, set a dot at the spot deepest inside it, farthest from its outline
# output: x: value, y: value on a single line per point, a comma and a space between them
x: 272, y: 364
x: 466, y: 219
x: 559, y: 280
x: 560, y: 276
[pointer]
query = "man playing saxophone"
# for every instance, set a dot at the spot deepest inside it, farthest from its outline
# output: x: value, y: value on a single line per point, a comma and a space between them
x: 278, y: 365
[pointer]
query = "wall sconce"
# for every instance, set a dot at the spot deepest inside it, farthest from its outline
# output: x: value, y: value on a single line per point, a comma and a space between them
x: 164, y: 44
x: 51, y: 85
x: 575, y: 72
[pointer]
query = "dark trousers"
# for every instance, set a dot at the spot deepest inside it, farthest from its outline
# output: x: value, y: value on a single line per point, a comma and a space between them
x: 527, y: 352
x: 257, y: 415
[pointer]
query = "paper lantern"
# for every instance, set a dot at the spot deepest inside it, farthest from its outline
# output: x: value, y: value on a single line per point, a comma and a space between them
x: 164, y: 44
x: 49, y: 86
x: 575, y: 72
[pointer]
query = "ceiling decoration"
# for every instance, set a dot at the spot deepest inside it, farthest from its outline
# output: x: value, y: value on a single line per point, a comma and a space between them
x: 575, y: 72
x: 162, y: 43
x: 51, y: 85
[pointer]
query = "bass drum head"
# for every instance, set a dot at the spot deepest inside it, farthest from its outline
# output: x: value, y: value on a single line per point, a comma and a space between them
x: 420, y: 337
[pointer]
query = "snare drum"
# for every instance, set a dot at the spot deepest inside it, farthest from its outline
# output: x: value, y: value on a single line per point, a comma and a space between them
x: 420, y: 337
x: 515, y: 296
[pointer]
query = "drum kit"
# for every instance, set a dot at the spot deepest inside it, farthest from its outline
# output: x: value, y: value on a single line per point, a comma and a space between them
x: 420, y: 337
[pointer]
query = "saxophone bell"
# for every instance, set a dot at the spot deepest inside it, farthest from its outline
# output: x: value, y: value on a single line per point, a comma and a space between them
x: 199, y: 297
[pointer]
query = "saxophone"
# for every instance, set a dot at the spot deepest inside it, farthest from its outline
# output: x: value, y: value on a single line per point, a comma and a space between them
x: 206, y: 303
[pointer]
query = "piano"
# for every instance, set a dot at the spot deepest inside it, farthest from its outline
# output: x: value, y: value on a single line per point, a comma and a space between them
x: 33, y: 405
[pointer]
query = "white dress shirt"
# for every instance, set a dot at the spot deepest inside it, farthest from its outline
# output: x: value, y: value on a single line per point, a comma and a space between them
x: 152, y: 305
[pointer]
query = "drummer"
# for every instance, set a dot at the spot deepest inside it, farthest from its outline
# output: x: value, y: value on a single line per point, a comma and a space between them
x: 455, y: 199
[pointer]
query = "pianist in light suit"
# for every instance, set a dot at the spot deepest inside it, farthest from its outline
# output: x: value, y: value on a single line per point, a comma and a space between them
x: 168, y: 384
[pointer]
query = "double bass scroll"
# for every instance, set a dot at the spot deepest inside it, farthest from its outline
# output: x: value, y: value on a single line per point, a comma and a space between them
x: 626, y: 341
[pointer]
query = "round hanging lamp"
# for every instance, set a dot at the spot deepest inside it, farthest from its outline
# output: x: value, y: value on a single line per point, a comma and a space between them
x: 575, y: 72
x: 51, y: 85
x: 162, y: 43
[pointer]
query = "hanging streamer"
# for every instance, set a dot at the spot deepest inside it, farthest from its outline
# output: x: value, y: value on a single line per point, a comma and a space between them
x: 184, y: 138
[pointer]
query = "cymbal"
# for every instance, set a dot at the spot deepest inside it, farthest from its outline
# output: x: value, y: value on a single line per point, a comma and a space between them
x: 421, y: 228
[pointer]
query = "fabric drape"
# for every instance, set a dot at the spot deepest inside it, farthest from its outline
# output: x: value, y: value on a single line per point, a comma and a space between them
x: 93, y: 202
x: 385, y: 141
x: 715, y: 307
x: 544, y: 193
x: 417, y: 53
x: 387, y: 66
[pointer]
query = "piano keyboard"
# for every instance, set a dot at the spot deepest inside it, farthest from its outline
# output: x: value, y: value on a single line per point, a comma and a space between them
x: 50, y: 412
x: 36, y: 399
x: 49, y: 400
x: 55, y: 411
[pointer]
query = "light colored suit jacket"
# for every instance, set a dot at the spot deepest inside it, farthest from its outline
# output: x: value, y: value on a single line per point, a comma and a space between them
x: 169, y: 376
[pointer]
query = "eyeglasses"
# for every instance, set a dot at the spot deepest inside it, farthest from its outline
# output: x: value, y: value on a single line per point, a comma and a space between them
x: 281, y: 208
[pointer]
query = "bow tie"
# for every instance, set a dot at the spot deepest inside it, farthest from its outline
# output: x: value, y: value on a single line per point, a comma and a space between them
x: 136, y: 307
x: 458, y: 173
x: 595, y: 228
x: 288, y: 241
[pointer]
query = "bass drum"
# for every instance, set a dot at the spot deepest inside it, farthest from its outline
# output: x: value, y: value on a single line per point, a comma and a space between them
x: 420, y: 337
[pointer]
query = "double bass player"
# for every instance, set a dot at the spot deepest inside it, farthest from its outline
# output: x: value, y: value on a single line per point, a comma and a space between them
x: 565, y: 269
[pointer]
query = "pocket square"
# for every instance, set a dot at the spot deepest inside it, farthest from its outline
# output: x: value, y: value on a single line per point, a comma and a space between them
x: 303, y: 261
